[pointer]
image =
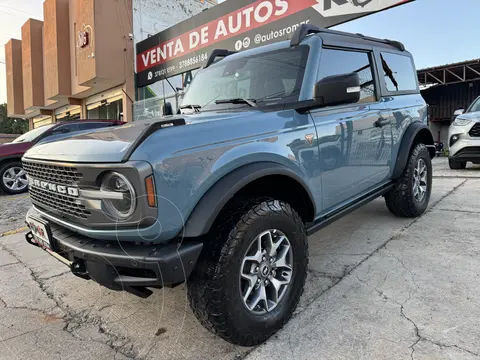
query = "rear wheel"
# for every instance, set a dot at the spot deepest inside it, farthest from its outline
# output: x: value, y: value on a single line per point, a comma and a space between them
x: 457, y: 165
x: 410, y: 196
x: 251, y: 273
x: 13, y: 179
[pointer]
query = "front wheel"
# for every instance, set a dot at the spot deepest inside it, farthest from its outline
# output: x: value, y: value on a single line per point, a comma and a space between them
x: 13, y: 179
x: 411, y: 195
x: 251, y: 273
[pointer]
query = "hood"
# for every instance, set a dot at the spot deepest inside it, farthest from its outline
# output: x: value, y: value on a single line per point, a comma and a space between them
x: 475, y: 116
x: 115, y: 144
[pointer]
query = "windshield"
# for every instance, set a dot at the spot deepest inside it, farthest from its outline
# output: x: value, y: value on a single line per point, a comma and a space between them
x: 275, y: 76
x: 33, y: 134
x: 475, y: 106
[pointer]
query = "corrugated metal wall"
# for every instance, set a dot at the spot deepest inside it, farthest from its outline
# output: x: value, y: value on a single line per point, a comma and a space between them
x: 445, y: 99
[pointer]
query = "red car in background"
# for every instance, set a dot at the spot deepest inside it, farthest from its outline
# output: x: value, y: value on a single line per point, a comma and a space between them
x: 13, y: 179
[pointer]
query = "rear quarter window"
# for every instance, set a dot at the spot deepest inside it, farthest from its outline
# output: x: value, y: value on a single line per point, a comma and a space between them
x: 398, y: 72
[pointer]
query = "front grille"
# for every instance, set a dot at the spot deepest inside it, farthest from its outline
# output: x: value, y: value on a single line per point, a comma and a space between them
x: 468, y: 152
x: 475, y: 130
x: 62, y: 203
x: 59, y: 175
x: 64, y: 175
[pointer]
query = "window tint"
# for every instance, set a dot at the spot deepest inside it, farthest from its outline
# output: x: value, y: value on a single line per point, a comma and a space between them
x: 337, y: 62
x: 399, y: 73
x: 475, y: 106
x: 96, y: 125
x: 65, y: 129
x: 33, y: 134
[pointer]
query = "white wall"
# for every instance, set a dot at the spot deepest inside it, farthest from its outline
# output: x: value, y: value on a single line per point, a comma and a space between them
x: 149, y: 18
x: 153, y: 16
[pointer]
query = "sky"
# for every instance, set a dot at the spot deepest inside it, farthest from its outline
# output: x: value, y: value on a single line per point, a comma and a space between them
x: 13, y: 14
x: 436, y: 32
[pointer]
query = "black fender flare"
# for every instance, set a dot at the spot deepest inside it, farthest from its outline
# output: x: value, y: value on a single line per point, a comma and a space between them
x: 207, y: 209
x: 411, y: 135
x: 10, y: 158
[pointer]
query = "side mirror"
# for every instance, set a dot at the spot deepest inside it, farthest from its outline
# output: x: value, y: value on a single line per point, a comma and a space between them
x: 167, y: 109
x: 458, y: 112
x: 338, y: 89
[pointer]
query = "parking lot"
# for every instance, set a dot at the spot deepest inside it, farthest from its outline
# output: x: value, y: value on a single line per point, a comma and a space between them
x: 378, y: 287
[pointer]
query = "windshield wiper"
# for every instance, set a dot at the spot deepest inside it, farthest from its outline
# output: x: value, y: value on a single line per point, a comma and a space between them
x: 193, y: 107
x: 249, y: 102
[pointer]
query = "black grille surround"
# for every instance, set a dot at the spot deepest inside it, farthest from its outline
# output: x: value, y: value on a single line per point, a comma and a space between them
x: 64, y: 175
x: 475, y: 130
x: 70, y: 205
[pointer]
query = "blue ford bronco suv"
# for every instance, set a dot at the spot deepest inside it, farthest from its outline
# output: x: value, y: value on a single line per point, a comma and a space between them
x: 269, y: 146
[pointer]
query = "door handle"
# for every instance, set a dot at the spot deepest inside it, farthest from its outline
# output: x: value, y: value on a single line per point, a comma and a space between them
x: 381, y: 122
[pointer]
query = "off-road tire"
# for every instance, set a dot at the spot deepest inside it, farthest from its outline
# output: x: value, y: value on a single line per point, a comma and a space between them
x: 400, y: 200
x: 3, y: 169
x: 213, y: 288
x: 457, y: 165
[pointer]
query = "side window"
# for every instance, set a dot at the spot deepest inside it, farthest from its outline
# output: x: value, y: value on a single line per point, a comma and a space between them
x: 337, y: 62
x: 91, y: 126
x: 71, y: 127
x: 63, y: 129
x: 399, y: 73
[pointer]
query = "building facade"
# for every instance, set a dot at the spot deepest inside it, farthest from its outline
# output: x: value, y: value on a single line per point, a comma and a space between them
x: 79, y: 62
x: 75, y: 64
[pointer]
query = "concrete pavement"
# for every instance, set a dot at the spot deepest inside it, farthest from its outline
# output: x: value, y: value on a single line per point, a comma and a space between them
x: 12, y: 211
x: 379, y: 287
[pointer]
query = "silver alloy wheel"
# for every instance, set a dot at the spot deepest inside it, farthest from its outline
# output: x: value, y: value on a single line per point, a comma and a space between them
x: 15, y: 178
x: 266, y: 271
x: 420, y: 180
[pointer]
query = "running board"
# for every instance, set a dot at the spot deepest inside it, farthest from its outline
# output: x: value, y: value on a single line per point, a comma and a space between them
x: 330, y: 218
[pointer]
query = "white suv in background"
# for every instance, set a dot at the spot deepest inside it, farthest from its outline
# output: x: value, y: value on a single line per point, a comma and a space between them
x: 464, y: 137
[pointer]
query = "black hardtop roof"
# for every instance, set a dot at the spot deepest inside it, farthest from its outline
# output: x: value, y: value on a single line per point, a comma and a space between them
x: 333, y: 35
x: 329, y: 37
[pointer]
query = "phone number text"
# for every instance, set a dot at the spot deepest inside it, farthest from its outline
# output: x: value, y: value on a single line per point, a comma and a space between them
x: 195, y: 60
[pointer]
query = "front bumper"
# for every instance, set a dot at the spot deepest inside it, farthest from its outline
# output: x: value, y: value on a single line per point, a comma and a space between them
x: 466, y: 147
x: 467, y: 153
x: 119, y: 265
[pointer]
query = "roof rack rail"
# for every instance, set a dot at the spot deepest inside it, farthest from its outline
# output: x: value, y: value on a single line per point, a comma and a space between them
x: 306, y: 29
x: 302, y: 32
x: 218, y: 53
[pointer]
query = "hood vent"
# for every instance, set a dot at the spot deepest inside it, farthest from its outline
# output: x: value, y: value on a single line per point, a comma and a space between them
x: 149, y: 130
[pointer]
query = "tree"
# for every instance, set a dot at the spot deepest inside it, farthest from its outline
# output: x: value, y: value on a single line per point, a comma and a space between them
x: 10, y: 125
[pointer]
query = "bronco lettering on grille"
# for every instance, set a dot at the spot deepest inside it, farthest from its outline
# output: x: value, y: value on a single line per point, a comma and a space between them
x: 61, y: 189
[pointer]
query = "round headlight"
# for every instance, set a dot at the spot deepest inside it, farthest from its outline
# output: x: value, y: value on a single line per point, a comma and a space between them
x: 123, y: 207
